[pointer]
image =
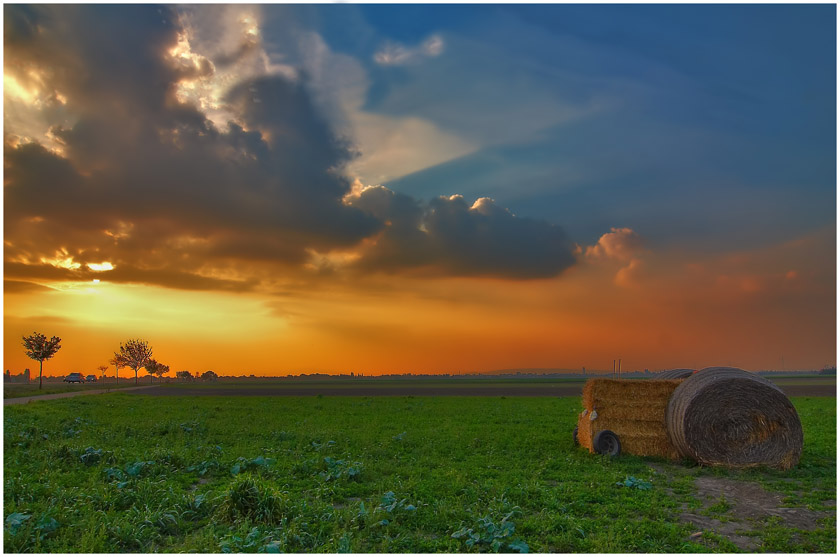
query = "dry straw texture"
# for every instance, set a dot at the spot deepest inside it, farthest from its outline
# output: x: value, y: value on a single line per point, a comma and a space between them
x: 584, y: 431
x: 627, y: 392
x: 730, y: 417
x: 633, y: 410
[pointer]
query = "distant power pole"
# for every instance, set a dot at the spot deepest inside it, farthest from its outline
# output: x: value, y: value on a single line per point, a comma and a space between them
x: 613, y: 369
x: 619, y: 368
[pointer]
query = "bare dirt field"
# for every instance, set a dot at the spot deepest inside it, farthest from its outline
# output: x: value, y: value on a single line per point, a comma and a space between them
x: 809, y: 390
x: 408, y: 389
x: 803, y: 387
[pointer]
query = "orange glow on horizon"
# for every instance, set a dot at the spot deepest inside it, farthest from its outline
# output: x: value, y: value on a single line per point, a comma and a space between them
x: 673, y: 318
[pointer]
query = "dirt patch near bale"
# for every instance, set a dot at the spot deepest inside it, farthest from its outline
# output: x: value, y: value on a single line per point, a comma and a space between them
x: 751, y: 501
x: 738, y: 510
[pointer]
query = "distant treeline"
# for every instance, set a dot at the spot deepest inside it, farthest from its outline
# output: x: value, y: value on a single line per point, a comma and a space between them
x: 211, y: 376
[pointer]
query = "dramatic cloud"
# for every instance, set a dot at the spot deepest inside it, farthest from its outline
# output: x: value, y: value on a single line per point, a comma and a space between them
x: 448, y: 236
x: 131, y: 180
x: 135, y: 159
x: 627, y: 276
x: 623, y: 245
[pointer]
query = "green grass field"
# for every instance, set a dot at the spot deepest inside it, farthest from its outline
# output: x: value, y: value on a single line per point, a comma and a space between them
x: 133, y: 473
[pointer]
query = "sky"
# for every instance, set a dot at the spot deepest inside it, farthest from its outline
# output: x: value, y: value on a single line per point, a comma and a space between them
x: 283, y: 189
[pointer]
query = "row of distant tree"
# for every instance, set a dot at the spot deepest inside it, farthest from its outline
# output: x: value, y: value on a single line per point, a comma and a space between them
x: 187, y: 376
x: 134, y: 353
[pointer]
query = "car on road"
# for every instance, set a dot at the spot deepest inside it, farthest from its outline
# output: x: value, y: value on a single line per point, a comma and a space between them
x: 74, y: 378
x: 90, y: 379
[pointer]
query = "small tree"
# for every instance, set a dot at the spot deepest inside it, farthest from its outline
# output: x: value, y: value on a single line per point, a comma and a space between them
x: 135, y: 353
x: 102, y: 370
x: 151, y: 367
x: 156, y: 368
x: 209, y: 376
x: 183, y: 375
x: 39, y: 348
x: 118, y: 362
x: 162, y: 370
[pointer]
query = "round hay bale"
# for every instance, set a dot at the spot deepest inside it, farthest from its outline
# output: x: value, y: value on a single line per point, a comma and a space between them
x: 730, y: 417
x: 717, y: 368
x: 676, y: 374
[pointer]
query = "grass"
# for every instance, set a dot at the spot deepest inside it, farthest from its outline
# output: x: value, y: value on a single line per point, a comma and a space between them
x: 133, y: 473
x: 17, y: 390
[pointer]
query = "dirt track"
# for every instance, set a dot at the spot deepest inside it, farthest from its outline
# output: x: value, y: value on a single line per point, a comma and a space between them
x: 68, y: 394
x: 415, y: 390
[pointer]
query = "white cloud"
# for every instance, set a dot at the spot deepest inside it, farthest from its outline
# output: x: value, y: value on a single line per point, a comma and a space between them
x: 392, y: 147
x: 229, y: 39
x: 396, y: 54
x: 389, y: 146
x: 485, y: 93
x: 628, y: 275
x: 623, y: 245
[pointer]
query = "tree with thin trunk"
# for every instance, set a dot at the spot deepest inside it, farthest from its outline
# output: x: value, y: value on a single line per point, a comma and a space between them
x: 151, y: 367
x: 118, y: 362
x: 102, y: 370
x: 162, y: 370
x: 156, y: 368
x: 39, y: 348
x: 135, y: 353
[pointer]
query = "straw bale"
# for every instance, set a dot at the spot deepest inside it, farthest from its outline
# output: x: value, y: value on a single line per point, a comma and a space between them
x: 637, y: 438
x: 642, y: 445
x: 633, y: 410
x: 730, y: 417
x: 639, y: 428
x: 681, y: 373
x: 653, y: 412
x: 602, y: 392
x: 584, y: 431
x: 638, y: 435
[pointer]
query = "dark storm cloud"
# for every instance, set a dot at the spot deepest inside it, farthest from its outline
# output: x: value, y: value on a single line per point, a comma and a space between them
x: 136, y: 155
x: 450, y: 237
x: 124, y: 274
x: 103, y: 57
x: 151, y: 185
x: 245, y: 48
